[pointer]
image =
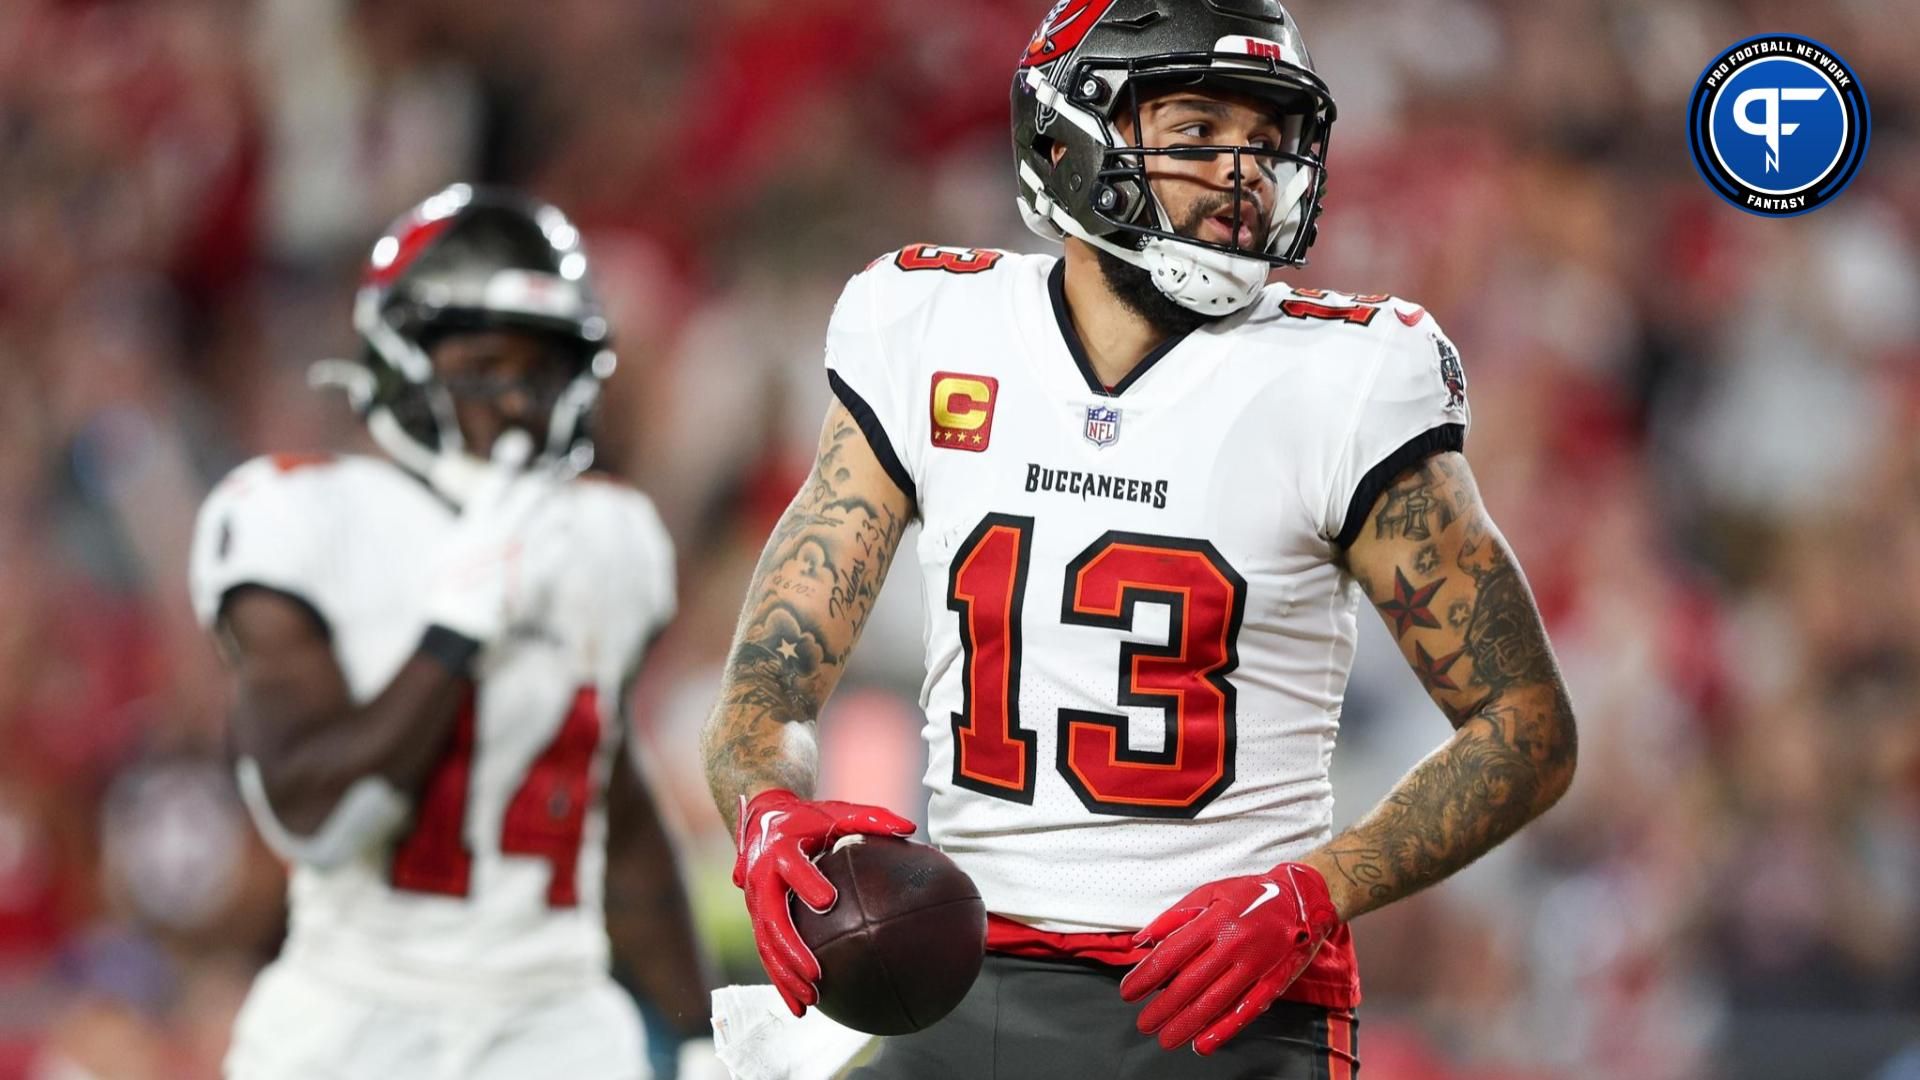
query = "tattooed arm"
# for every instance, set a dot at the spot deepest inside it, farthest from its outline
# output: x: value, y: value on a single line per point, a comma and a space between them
x: 1440, y: 573
x: 805, y: 607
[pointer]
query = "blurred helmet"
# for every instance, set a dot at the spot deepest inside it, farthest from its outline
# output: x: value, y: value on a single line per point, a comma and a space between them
x: 469, y: 259
x: 1086, y: 70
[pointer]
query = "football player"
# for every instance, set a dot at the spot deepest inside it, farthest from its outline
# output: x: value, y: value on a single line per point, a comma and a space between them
x: 1153, y: 490
x: 432, y: 653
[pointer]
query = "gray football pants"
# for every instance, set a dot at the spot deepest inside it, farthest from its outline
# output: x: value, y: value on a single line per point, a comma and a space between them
x: 1045, y: 1020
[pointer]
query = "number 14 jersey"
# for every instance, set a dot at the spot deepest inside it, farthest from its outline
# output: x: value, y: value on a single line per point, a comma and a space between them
x: 495, y: 883
x: 1138, y: 635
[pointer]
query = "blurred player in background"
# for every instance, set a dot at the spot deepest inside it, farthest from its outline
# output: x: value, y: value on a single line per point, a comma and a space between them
x: 1146, y: 480
x: 433, y: 654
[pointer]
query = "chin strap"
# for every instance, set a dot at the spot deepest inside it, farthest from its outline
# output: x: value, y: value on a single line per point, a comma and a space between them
x: 1197, y: 278
x: 1201, y: 279
x: 346, y: 376
x: 569, y: 414
x: 405, y: 449
x: 413, y: 364
x: 360, y: 386
x: 450, y: 470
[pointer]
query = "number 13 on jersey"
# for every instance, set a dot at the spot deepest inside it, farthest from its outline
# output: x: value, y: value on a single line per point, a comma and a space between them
x: 1186, y: 678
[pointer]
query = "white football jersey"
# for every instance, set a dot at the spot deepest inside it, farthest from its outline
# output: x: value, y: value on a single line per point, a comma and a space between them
x: 497, y: 879
x: 1137, y: 635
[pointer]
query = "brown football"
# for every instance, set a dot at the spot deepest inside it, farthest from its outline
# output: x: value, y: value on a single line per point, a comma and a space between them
x: 902, y: 944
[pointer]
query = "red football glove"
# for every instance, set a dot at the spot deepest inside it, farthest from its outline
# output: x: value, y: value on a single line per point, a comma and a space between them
x: 780, y: 836
x: 1226, y: 951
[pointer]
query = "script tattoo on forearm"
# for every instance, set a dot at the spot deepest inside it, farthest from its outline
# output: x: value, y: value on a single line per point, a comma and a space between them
x: 1498, y: 772
x: 1489, y: 666
x: 810, y: 596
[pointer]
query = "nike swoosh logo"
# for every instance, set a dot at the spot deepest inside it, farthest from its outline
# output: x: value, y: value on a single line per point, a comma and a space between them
x: 1268, y: 891
x: 1411, y: 318
x: 766, y: 826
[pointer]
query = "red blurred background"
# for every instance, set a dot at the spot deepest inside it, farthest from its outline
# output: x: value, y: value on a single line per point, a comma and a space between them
x: 1697, y: 427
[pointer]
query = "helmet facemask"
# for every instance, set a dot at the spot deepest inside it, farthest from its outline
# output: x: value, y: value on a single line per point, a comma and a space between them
x: 1291, y: 168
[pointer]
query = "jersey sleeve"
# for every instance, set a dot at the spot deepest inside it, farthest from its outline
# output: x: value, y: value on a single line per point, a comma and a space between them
x: 1414, y: 406
x: 257, y: 528
x: 873, y: 386
x: 639, y: 570
x: 654, y: 567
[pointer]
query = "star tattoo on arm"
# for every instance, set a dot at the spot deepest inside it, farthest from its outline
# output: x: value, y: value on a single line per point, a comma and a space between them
x: 1410, y: 607
x: 809, y: 599
x: 1433, y: 670
x: 1426, y: 560
x: 1489, y: 669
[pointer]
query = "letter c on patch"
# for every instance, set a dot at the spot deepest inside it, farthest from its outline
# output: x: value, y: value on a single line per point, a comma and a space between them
x: 961, y: 403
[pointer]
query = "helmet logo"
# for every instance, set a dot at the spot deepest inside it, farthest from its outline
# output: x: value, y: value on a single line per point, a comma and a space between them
x: 1062, y: 31
x: 397, y: 250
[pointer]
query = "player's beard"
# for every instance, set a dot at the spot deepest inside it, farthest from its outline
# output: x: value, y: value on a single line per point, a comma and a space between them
x: 1135, y: 288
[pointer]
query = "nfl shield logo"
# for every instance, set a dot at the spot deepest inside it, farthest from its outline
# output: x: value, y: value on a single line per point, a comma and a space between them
x: 1103, y: 425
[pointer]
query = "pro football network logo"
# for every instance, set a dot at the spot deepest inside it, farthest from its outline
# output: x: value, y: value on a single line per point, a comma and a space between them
x: 1103, y: 425
x: 1778, y: 125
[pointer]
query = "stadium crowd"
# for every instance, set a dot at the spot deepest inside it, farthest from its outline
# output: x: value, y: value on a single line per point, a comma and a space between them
x: 1700, y: 429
